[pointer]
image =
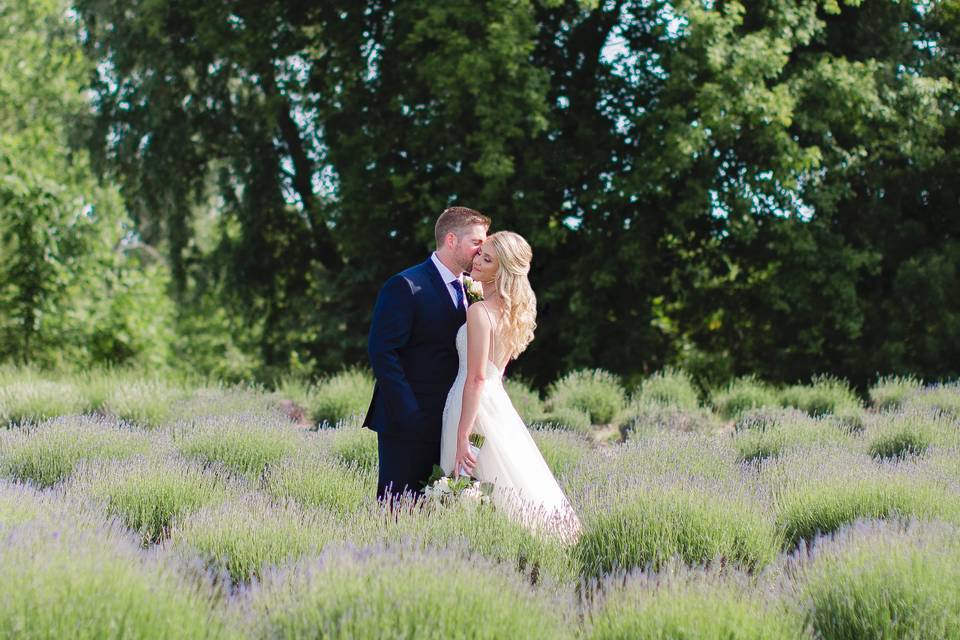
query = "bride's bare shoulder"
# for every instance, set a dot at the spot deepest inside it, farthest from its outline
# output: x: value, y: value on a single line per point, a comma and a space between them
x: 478, y: 314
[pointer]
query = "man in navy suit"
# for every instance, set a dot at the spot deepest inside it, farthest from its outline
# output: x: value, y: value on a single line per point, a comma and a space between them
x: 413, y: 352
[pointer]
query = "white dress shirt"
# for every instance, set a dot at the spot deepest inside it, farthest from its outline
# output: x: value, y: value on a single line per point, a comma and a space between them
x: 448, y: 277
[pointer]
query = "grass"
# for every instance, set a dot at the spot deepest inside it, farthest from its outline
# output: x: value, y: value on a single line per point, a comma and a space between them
x: 400, y: 593
x: 47, y: 453
x: 597, y: 393
x: 776, y: 523
x: 882, y: 580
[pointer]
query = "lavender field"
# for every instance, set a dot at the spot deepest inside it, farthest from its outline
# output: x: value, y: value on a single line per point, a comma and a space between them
x: 132, y: 507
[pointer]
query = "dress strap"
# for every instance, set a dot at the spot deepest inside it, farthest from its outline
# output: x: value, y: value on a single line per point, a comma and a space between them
x: 493, y: 334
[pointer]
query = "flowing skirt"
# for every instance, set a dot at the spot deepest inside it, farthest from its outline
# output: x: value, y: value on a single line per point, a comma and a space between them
x: 523, y: 485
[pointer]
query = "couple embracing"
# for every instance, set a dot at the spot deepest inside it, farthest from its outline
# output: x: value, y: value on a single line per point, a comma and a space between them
x: 439, y: 362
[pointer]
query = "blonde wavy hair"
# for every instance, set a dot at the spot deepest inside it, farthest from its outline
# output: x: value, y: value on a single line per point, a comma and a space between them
x: 519, y: 312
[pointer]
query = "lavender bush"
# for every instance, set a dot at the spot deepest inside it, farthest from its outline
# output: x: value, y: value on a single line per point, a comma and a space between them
x: 47, y: 453
x: 670, y: 387
x: 314, y: 477
x: 248, y: 532
x: 819, y: 490
x: 31, y: 400
x: 598, y: 393
x: 62, y: 579
x: 881, y: 580
x: 401, y: 593
x: 696, y: 521
x: 742, y: 395
x: 681, y: 602
x: 244, y: 443
x: 891, y: 392
x: 148, y: 494
x: 353, y: 445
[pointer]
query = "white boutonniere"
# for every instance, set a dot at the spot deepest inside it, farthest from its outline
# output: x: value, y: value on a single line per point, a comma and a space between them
x: 473, y: 288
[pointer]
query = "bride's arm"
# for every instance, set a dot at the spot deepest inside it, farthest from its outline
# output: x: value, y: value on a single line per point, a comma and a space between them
x: 478, y: 344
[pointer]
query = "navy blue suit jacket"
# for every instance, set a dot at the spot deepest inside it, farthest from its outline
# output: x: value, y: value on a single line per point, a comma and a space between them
x: 413, y: 354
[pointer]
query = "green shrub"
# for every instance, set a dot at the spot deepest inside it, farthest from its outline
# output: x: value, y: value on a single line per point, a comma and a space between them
x: 148, y: 494
x: 883, y: 580
x: 353, y: 446
x: 314, y: 480
x: 342, y: 396
x: 221, y: 402
x: 294, y: 388
x: 35, y: 400
x: 817, y: 491
x: 19, y: 503
x: 245, y: 534
x: 398, y: 593
x: 742, y: 395
x: 61, y: 580
x: 890, y: 392
x: 669, y: 387
x: 568, y: 419
x: 147, y: 403
x: 825, y: 394
x: 647, y: 417
x: 245, y: 444
x: 694, y: 521
x: 902, y: 434
x: 561, y: 450
x: 47, y: 453
x: 940, y: 397
x: 480, y: 528
x: 655, y: 456
x: 525, y: 400
x: 684, y: 603
x: 596, y: 392
x: 765, y: 433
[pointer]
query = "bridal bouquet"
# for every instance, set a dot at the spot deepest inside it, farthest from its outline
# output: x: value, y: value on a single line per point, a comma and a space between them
x: 441, y: 488
x: 445, y: 489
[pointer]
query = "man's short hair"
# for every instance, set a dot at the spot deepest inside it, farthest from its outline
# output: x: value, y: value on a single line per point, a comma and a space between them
x: 456, y: 220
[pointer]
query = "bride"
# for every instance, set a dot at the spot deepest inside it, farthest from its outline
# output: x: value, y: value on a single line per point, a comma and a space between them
x: 497, y: 330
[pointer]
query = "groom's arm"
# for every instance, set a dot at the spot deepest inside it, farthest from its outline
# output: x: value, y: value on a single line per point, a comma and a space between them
x: 390, y: 331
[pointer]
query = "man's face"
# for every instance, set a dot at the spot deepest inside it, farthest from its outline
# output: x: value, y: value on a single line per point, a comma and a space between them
x: 469, y: 246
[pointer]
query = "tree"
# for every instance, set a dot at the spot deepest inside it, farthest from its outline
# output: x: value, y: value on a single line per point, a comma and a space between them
x: 64, y: 276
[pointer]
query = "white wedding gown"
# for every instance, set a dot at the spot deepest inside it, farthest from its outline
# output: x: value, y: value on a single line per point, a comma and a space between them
x: 523, y: 485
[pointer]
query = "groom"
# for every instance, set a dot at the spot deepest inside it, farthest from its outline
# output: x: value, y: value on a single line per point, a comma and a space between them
x: 413, y: 352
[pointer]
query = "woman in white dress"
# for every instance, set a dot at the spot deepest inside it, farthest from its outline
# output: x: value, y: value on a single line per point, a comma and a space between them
x: 497, y: 330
